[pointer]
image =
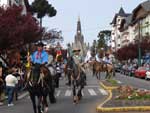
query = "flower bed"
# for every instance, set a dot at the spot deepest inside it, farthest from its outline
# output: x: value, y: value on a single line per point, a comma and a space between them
x: 127, y: 96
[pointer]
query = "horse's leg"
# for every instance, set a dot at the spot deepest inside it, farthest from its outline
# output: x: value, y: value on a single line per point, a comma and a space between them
x: 106, y: 75
x: 69, y: 78
x: 109, y: 74
x: 80, y: 92
x: 32, y: 96
x: 96, y: 74
x: 52, y: 98
x: 39, y: 104
x: 99, y: 76
x: 93, y: 69
x: 45, y: 104
x: 114, y: 72
x: 74, y: 91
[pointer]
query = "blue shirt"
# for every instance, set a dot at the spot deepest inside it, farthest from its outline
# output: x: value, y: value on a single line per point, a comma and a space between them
x: 39, y: 58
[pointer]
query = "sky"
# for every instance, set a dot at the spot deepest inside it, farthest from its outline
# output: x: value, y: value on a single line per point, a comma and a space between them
x: 95, y: 15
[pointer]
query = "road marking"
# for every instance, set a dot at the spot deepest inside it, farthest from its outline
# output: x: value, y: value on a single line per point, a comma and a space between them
x: 91, y: 86
x: 82, y: 93
x: 58, y: 93
x: 104, y: 92
x: 92, y: 92
x: 68, y: 93
x: 119, y: 82
x: 28, y: 97
x: 23, y: 95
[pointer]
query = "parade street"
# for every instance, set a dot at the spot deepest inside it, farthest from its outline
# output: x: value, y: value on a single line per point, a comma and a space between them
x: 93, y: 94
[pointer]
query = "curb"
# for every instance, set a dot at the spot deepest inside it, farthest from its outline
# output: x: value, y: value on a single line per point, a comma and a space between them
x: 107, y: 87
x: 121, y: 109
x: 100, y: 108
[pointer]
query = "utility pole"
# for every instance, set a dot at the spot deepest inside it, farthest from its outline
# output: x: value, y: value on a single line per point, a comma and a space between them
x: 139, y: 45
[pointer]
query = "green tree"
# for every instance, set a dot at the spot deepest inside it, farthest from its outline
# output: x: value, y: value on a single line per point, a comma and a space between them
x: 42, y: 8
x: 103, y: 36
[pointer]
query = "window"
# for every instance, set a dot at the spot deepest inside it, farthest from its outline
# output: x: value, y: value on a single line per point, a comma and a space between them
x: 9, y: 2
x: 18, y: 2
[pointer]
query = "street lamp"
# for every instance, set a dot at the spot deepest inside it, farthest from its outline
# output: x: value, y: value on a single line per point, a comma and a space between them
x: 139, y: 46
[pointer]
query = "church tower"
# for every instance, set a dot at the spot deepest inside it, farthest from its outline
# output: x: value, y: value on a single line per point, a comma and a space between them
x: 79, y: 37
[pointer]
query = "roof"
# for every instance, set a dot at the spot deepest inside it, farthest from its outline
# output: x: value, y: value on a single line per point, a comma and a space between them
x: 128, y: 20
x: 120, y: 13
x: 145, y: 5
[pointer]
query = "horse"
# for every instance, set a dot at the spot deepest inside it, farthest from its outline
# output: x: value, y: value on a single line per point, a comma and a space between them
x: 68, y: 70
x: 39, y: 84
x: 98, y: 67
x: 77, y: 76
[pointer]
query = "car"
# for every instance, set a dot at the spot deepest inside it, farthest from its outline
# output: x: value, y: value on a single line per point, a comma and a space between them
x: 118, y: 67
x: 147, y: 75
x: 131, y: 70
x: 141, y: 72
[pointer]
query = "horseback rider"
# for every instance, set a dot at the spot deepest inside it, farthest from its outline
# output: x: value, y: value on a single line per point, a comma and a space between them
x: 99, y: 56
x: 40, y: 56
x: 107, y: 59
x: 58, y: 67
x: 78, y: 77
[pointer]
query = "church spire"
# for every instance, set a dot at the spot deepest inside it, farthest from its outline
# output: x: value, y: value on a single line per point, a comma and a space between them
x: 79, y: 25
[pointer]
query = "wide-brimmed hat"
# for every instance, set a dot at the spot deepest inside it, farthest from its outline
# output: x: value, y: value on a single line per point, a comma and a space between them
x: 76, y: 50
x: 40, y: 44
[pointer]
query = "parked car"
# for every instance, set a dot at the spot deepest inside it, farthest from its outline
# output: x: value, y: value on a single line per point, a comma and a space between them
x: 124, y: 69
x: 118, y: 67
x: 141, y: 72
x: 131, y: 70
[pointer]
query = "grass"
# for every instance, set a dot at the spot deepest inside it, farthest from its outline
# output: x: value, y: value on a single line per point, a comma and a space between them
x: 113, y: 82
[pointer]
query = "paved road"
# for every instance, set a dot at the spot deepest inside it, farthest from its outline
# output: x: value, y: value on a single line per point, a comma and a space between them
x: 135, y: 82
x: 93, y: 95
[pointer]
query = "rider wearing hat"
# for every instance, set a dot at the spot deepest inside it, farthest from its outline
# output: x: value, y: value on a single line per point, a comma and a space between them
x: 40, y: 56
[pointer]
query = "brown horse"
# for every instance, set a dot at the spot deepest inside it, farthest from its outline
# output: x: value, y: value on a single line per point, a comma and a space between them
x: 98, y: 67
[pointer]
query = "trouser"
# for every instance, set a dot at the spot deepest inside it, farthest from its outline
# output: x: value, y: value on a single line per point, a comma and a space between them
x: 10, y: 92
x: 58, y: 75
x: 69, y: 77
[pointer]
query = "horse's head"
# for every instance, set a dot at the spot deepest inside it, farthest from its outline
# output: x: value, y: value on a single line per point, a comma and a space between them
x: 35, y: 74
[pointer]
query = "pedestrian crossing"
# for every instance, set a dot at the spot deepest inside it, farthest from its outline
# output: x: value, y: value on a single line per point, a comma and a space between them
x: 87, y: 91
x: 62, y: 92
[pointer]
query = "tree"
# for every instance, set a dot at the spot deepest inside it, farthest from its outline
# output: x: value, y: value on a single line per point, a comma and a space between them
x: 52, y: 36
x: 42, y: 8
x: 103, y: 36
x: 17, y: 29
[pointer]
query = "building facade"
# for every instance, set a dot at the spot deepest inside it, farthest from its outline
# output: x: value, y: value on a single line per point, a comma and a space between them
x: 127, y: 28
x: 7, y: 3
x: 118, y: 19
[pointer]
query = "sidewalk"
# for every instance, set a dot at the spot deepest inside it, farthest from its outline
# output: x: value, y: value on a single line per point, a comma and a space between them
x: 130, y: 112
x: 21, y: 95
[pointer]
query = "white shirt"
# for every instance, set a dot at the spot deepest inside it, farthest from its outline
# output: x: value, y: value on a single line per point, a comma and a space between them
x: 98, y: 59
x: 11, y: 80
x: 107, y: 60
x: 88, y: 56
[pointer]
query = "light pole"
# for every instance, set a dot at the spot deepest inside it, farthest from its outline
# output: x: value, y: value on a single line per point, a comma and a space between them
x: 139, y: 45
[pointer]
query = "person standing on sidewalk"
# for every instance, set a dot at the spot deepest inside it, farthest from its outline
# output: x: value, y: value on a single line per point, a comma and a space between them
x: 1, y: 83
x: 11, y: 82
